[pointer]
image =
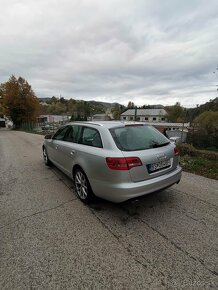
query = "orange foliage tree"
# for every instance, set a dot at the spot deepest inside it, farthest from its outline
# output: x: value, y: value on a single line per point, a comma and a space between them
x: 19, y: 101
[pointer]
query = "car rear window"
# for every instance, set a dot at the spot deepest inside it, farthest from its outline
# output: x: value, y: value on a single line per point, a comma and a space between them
x: 138, y: 137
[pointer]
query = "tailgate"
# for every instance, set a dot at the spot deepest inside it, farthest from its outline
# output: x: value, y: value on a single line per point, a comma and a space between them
x: 155, y: 162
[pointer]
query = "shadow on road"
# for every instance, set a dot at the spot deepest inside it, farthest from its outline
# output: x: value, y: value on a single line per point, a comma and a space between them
x: 125, y: 211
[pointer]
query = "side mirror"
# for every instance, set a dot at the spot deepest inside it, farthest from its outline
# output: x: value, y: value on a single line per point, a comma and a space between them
x: 48, y: 136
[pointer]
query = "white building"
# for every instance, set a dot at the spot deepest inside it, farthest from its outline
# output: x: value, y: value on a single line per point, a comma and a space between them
x: 145, y: 115
x: 53, y: 118
x: 102, y: 117
x: 175, y: 130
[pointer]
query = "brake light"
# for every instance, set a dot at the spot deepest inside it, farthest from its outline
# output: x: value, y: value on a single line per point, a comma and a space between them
x: 123, y: 163
x: 176, y: 151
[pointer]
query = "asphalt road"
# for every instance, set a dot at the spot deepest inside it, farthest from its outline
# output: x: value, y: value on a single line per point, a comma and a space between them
x: 50, y: 240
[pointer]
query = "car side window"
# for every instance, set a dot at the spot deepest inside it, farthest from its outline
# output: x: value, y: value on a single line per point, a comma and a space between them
x: 91, y: 137
x: 73, y: 134
x: 59, y: 135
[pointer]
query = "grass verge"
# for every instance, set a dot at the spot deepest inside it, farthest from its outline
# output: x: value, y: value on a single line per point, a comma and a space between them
x: 201, y: 162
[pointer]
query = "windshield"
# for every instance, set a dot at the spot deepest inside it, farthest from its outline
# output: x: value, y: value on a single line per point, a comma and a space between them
x: 141, y: 137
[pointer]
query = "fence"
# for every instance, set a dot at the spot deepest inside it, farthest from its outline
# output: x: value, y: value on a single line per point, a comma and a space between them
x: 182, y: 135
x: 201, y: 138
x: 42, y: 128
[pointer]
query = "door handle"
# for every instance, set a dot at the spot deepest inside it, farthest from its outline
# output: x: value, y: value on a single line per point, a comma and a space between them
x: 72, y: 152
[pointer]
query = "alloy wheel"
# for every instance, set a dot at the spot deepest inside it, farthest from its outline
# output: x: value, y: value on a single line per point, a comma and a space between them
x: 81, y: 185
x: 45, y: 157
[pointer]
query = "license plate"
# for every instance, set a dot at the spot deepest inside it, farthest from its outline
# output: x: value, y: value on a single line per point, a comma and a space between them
x: 158, y: 165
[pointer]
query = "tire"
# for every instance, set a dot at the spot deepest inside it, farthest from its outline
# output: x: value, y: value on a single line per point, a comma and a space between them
x: 82, y: 186
x: 45, y: 157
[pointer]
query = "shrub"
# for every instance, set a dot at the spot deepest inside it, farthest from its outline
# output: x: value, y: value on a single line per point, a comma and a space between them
x: 187, y: 149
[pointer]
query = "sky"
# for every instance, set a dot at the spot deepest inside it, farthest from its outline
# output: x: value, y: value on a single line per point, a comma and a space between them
x: 144, y: 51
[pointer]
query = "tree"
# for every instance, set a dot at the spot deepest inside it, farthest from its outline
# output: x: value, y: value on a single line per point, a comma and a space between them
x: 146, y: 107
x: 116, y: 115
x: 52, y: 100
x: 212, y: 105
x: 176, y: 113
x: 19, y: 101
x: 1, y: 107
x: 117, y: 110
x: 208, y: 121
x: 130, y: 105
x: 206, y: 130
x: 57, y: 108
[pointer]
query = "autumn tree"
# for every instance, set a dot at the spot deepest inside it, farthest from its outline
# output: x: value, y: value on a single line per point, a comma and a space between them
x: 19, y: 100
x: 1, y: 107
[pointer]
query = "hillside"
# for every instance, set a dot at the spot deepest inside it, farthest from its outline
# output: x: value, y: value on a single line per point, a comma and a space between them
x: 104, y: 104
x: 212, y: 105
x: 92, y: 103
x: 75, y: 107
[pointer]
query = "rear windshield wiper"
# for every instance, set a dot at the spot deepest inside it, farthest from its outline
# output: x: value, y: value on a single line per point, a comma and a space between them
x: 156, y: 145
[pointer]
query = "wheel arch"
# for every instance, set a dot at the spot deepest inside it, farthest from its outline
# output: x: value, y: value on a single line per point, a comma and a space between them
x: 75, y: 167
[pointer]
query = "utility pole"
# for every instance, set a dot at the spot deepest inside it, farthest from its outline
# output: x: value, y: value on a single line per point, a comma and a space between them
x: 135, y: 113
x: 183, y: 123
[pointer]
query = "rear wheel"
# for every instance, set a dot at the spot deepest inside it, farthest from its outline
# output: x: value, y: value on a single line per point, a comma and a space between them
x: 45, y: 157
x: 83, y: 188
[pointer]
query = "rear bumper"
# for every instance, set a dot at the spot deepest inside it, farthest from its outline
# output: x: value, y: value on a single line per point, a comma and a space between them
x: 124, y: 191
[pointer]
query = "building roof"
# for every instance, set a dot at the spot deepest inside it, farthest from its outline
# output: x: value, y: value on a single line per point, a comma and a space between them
x: 102, y: 116
x: 167, y: 124
x: 99, y: 115
x: 145, y: 112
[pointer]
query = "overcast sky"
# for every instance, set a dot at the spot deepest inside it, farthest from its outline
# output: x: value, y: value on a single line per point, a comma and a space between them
x: 145, y: 51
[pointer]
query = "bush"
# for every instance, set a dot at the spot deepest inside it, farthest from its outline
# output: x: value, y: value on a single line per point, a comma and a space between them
x: 187, y: 149
x: 203, y: 140
x: 200, y: 162
x: 200, y: 166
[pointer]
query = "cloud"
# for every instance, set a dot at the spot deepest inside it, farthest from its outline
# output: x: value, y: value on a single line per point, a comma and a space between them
x: 146, y: 51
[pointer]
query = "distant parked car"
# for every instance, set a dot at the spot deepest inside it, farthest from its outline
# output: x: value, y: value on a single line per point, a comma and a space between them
x: 176, y: 140
x: 2, y: 123
x: 113, y: 160
x: 47, y: 127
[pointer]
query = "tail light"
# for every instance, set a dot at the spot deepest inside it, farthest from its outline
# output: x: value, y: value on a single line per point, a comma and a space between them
x: 176, y: 151
x: 123, y: 163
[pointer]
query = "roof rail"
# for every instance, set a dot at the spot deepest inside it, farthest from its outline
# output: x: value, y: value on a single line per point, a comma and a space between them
x: 93, y: 123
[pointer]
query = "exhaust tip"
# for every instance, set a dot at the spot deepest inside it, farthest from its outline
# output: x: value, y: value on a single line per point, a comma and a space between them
x: 178, y: 181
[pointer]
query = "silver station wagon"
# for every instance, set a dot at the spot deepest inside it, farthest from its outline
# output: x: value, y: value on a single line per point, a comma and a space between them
x: 113, y: 160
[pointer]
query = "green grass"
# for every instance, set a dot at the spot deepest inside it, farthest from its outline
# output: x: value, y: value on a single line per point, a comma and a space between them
x: 200, y: 166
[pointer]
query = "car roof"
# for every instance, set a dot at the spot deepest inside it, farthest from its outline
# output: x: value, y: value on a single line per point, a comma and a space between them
x: 107, y: 124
